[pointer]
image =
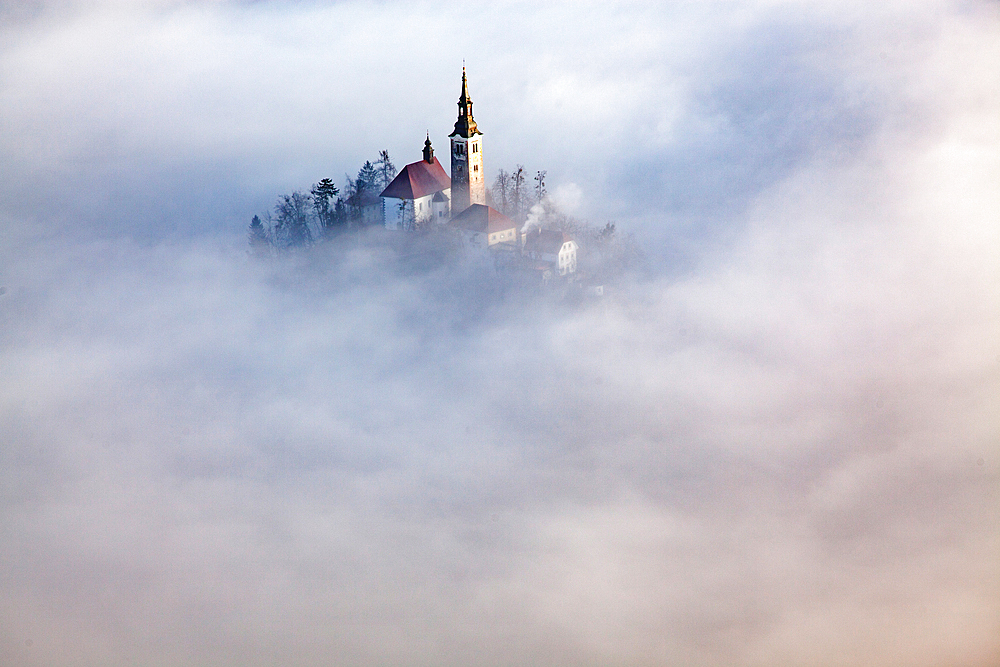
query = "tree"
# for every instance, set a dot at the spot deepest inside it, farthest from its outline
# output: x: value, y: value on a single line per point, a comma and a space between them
x: 258, y: 237
x: 292, y: 220
x: 407, y: 221
x: 355, y: 198
x: 518, y: 196
x: 367, y: 176
x: 340, y: 212
x: 361, y: 192
x: 322, y: 194
x: 501, y: 192
x: 540, y: 186
x: 385, y: 169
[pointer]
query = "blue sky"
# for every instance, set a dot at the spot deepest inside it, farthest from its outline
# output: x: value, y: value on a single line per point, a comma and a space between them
x: 780, y: 447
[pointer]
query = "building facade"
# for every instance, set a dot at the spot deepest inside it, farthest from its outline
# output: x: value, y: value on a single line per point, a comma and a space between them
x: 468, y: 178
x: 553, y: 248
x: 484, y: 227
x: 420, y: 194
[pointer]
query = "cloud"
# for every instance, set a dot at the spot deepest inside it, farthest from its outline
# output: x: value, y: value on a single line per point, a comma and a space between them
x: 780, y: 449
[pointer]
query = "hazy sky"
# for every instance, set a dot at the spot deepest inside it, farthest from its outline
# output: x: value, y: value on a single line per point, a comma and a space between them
x: 779, y: 447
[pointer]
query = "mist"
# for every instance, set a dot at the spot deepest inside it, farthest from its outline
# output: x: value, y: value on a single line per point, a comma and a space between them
x: 778, y: 444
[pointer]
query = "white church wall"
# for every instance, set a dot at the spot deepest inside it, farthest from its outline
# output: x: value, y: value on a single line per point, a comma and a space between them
x: 422, y: 211
x: 441, y: 210
x: 393, y: 212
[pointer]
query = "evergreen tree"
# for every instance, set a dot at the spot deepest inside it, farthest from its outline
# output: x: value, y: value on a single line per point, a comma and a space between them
x: 367, y: 177
x: 258, y: 237
x: 355, y: 198
x: 322, y: 194
x: 340, y: 213
x: 363, y: 191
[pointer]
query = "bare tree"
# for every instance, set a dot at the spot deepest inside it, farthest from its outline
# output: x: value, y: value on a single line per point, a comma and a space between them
x: 406, y: 215
x: 501, y: 192
x: 540, y: 186
x: 519, y: 204
x: 291, y: 225
x: 385, y: 170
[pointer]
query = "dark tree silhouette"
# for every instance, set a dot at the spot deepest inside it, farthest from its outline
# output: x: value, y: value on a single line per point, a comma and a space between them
x: 323, y: 194
x: 368, y: 177
x: 501, y: 192
x: 385, y: 169
x: 260, y: 242
x: 292, y: 220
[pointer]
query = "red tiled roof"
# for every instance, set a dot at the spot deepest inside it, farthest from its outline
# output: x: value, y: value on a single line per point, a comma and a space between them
x: 479, y: 218
x: 418, y: 179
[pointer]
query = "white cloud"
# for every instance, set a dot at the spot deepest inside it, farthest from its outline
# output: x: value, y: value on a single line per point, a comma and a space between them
x: 782, y: 452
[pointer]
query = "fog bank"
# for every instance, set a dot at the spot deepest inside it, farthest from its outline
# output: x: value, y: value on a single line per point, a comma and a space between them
x: 778, y: 448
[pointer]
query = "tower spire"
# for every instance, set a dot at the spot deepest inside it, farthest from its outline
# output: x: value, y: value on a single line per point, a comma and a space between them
x: 468, y: 186
x: 465, y: 126
x: 428, y: 151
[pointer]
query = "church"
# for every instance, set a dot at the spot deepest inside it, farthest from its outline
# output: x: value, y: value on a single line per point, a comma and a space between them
x: 422, y: 194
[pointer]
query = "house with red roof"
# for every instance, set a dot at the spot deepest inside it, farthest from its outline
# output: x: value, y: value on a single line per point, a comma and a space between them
x: 483, y: 227
x: 420, y: 193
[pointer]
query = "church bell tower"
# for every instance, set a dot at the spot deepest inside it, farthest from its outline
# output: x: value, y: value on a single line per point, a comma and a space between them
x: 468, y: 184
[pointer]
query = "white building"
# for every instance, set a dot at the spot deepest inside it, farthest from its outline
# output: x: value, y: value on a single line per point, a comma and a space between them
x: 420, y: 193
x: 483, y: 226
x: 554, y: 248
